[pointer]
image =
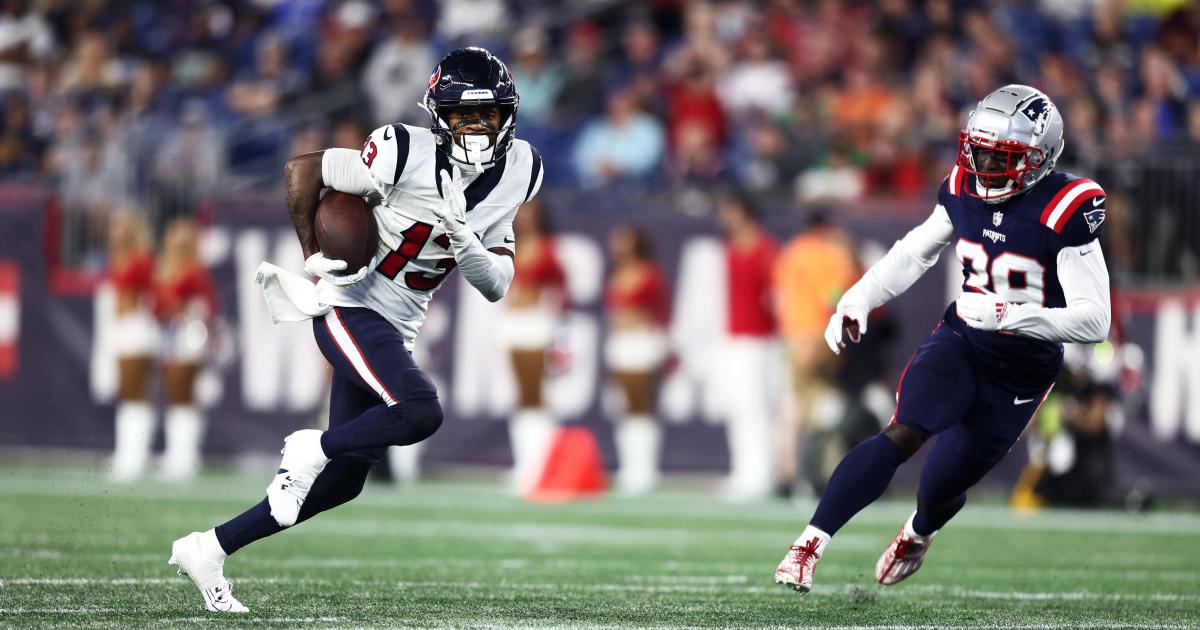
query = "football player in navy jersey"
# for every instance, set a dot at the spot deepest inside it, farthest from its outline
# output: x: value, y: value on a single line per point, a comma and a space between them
x: 1033, y: 278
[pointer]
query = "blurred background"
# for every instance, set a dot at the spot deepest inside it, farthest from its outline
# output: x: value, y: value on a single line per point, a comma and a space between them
x: 716, y: 174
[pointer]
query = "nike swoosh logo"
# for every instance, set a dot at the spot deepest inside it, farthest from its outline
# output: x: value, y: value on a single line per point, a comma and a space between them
x: 1098, y: 201
x: 1017, y: 400
x: 509, y: 239
x: 385, y: 133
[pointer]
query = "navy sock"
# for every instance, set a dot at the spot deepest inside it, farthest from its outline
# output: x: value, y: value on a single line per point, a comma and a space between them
x: 342, y: 480
x: 861, y: 477
x: 247, y: 527
x: 406, y: 422
x: 931, y: 519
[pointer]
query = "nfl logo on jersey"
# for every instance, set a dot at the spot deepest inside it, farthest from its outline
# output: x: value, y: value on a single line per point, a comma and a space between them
x: 997, y: 217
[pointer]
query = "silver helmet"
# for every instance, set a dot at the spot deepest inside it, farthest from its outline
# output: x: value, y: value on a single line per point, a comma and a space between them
x: 1012, y: 140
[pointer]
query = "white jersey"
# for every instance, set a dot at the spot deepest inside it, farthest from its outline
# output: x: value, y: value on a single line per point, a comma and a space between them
x: 402, y: 163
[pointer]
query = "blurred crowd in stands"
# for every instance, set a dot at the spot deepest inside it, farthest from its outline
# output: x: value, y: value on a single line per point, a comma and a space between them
x: 162, y: 104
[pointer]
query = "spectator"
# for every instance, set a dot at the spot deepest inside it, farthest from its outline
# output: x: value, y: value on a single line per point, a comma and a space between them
x: 757, y: 81
x: 583, y: 90
x: 538, y: 77
x: 397, y: 73
x: 472, y: 22
x: 190, y: 163
x: 750, y: 353
x: 25, y: 39
x: 625, y: 145
x: 835, y: 180
x: 638, y: 68
x: 813, y: 270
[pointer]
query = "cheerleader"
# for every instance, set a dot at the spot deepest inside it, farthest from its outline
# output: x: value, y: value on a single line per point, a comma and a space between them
x: 531, y: 316
x: 636, y: 347
x: 185, y: 304
x: 135, y: 337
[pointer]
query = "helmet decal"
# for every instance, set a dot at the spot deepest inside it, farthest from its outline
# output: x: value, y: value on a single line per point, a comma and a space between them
x: 1038, y: 113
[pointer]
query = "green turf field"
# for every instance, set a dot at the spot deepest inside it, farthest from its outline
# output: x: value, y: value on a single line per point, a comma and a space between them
x: 77, y: 553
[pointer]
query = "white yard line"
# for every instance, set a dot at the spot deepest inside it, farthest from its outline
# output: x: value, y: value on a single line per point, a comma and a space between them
x: 699, y: 584
x: 82, y: 610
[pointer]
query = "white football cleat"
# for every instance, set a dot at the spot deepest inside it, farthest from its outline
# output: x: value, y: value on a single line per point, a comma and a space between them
x: 303, y: 459
x: 904, y: 556
x: 796, y: 569
x: 200, y: 557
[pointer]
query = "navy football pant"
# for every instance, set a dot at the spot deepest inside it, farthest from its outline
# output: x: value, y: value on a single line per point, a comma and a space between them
x: 945, y: 390
x: 377, y: 398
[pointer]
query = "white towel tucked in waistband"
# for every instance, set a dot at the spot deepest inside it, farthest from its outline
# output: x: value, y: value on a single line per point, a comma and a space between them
x: 290, y: 297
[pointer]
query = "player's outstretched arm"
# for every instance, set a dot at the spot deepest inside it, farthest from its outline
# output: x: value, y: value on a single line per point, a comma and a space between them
x: 905, y: 263
x: 302, y: 184
x: 489, y: 271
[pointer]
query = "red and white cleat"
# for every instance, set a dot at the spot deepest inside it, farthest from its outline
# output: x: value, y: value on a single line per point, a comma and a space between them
x: 796, y: 569
x: 904, y: 556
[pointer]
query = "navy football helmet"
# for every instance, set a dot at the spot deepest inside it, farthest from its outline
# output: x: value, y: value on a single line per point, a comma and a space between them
x: 471, y: 79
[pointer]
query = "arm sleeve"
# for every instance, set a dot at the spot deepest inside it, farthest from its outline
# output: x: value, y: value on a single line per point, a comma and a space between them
x: 904, y: 263
x: 1088, y: 313
x: 487, y: 271
x: 343, y: 170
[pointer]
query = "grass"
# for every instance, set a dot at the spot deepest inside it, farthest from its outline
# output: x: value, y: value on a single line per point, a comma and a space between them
x: 77, y: 552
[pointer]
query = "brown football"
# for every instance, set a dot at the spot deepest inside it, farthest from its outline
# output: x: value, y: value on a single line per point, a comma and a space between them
x: 346, y: 229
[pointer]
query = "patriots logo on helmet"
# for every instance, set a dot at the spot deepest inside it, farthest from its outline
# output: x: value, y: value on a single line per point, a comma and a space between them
x: 1038, y: 112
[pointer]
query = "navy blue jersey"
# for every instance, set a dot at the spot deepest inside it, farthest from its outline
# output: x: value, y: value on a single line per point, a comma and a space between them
x: 1011, y: 249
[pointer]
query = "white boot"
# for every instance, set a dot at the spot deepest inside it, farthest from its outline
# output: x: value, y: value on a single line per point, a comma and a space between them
x: 531, y: 432
x: 135, y: 431
x: 184, y: 428
x: 200, y: 557
x: 638, y: 439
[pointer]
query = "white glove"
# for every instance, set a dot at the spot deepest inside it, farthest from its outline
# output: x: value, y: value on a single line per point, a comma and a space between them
x: 453, y: 212
x: 849, y: 319
x: 327, y: 269
x: 982, y: 311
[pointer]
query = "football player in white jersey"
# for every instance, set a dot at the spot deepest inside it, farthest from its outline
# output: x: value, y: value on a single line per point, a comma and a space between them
x: 444, y: 197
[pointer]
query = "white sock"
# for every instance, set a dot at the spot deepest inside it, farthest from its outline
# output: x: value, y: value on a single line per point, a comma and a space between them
x: 184, y: 428
x: 211, y: 544
x: 405, y: 463
x: 811, y: 532
x: 531, y: 432
x: 134, y: 432
x: 912, y: 533
x: 638, y: 440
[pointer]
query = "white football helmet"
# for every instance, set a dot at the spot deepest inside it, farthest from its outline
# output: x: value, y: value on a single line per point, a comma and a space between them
x: 1012, y: 140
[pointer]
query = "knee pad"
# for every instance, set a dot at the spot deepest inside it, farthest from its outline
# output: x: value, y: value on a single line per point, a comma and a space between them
x: 906, y: 439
